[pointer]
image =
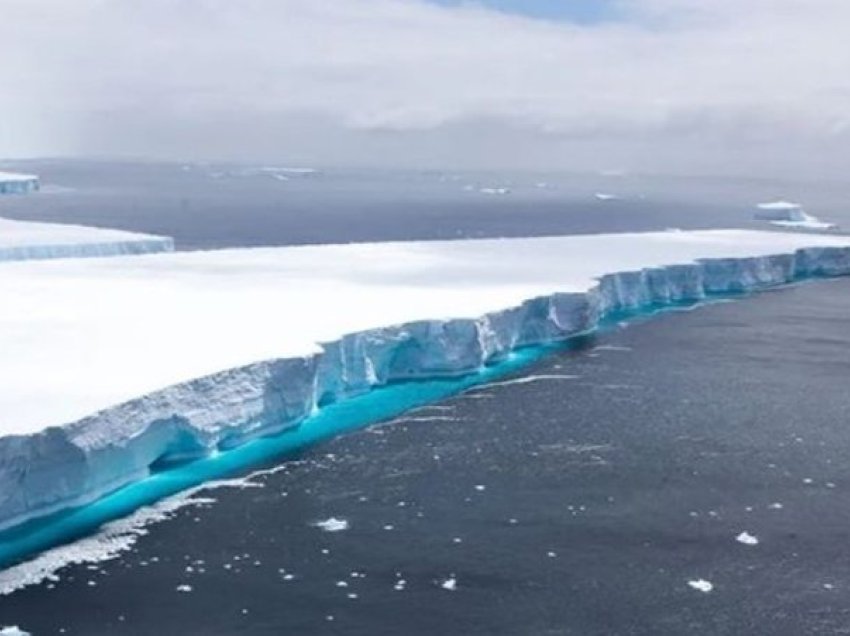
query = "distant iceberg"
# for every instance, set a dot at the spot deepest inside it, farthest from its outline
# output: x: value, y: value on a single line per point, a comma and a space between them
x: 14, y: 183
x: 604, y: 196
x: 792, y: 215
x: 501, y: 191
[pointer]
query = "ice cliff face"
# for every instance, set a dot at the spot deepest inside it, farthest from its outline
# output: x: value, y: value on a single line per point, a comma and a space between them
x: 78, y: 463
x: 150, y: 245
x: 25, y: 241
x: 13, y: 183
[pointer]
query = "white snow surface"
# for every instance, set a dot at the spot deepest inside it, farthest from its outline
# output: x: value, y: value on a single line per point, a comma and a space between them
x: 25, y: 240
x: 139, y: 358
x: 17, y: 176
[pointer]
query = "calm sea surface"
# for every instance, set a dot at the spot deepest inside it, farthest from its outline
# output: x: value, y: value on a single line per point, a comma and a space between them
x: 696, y: 447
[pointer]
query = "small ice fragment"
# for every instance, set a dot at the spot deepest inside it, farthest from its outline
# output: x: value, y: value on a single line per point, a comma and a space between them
x: 480, y: 487
x: 14, y: 630
x: 184, y: 588
x: 775, y: 506
x: 449, y: 584
x: 352, y: 595
x: 342, y: 583
x: 701, y: 585
x: 388, y: 527
x: 808, y: 480
x: 332, y: 524
x: 747, y: 539
x: 826, y: 586
x: 551, y: 555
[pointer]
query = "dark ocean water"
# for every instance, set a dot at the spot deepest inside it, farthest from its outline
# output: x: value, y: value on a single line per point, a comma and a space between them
x: 212, y: 206
x: 555, y: 505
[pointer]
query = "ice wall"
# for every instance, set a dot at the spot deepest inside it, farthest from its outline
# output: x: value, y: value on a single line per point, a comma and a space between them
x: 25, y: 240
x: 86, y: 250
x: 61, y: 467
x: 14, y: 183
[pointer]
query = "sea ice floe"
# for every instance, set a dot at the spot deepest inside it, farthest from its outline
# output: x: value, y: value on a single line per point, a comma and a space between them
x: 449, y: 584
x: 13, y: 630
x: 332, y: 524
x: 747, y: 539
x: 701, y: 585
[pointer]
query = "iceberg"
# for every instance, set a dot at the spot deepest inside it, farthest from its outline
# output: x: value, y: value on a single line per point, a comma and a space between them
x: 792, y: 215
x: 113, y: 367
x: 25, y: 240
x: 604, y: 196
x: 14, y: 183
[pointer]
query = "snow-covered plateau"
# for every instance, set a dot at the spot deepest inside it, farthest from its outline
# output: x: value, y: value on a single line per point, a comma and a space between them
x: 24, y: 240
x: 111, y: 365
x: 15, y: 183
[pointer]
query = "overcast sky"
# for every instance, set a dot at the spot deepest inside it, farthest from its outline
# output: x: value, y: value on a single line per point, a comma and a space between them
x: 711, y: 86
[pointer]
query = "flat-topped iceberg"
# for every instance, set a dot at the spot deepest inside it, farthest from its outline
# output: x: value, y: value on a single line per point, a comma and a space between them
x: 113, y: 366
x: 25, y: 240
x: 791, y: 215
x: 15, y: 183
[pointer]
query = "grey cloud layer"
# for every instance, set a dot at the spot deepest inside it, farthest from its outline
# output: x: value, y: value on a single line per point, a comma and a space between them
x: 159, y: 77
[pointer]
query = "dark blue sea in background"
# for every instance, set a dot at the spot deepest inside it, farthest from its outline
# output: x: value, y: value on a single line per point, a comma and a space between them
x: 554, y: 505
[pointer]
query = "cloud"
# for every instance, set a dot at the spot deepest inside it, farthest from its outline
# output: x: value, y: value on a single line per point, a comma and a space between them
x: 216, y: 77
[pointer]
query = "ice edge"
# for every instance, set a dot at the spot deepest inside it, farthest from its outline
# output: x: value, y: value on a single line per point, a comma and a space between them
x: 72, y: 465
x: 131, y: 246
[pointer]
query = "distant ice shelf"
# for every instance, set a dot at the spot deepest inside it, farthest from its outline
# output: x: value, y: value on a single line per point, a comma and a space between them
x: 24, y: 240
x: 113, y: 366
x: 14, y: 183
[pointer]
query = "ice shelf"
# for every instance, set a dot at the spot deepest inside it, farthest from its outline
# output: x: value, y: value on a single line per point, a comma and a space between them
x: 25, y: 240
x: 110, y: 365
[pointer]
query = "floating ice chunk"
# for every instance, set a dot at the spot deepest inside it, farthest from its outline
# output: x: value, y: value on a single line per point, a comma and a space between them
x: 605, y: 196
x: 701, y: 585
x: 501, y: 191
x: 185, y: 588
x: 449, y: 584
x: 747, y: 539
x: 332, y: 525
x: 13, y: 630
